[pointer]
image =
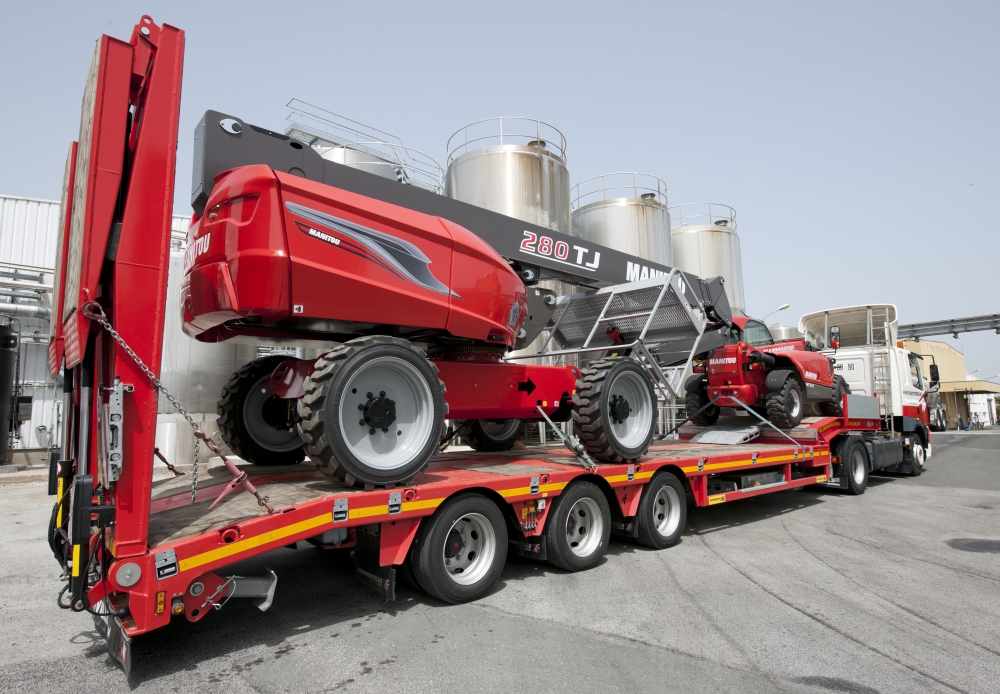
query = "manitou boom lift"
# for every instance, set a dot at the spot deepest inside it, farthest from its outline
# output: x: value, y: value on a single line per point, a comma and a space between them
x: 414, y: 289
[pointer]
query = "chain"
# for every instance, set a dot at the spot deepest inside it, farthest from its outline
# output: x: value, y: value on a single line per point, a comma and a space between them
x: 93, y: 311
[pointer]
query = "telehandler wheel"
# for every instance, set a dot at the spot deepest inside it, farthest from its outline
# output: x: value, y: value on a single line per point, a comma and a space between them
x: 697, y: 400
x: 493, y: 434
x: 835, y: 408
x: 459, y: 552
x: 372, y: 412
x: 614, y: 409
x: 785, y: 406
x: 256, y: 424
x: 662, y: 512
x: 578, y: 527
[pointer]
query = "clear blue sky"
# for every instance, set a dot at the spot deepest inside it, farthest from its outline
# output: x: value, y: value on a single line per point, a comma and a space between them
x: 858, y: 142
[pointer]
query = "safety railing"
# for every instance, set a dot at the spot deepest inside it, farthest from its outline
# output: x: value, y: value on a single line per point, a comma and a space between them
x: 702, y: 214
x: 623, y: 184
x: 506, y: 130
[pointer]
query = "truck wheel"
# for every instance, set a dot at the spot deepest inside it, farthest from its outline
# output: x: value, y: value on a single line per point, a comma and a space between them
x: 578, y: 528
x: 785, y: 405
x: 697, y: 400
x: 662, y: 512
x: 494, y: 434
x: 256, y: 424
x: 372, y: 412
x: 918, y: 457
x: 614, y: 410
x: 854, y: 465
x: 459, y: 552
x: 835, y: 408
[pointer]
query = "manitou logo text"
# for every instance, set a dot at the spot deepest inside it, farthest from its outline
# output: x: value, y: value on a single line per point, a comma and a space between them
x: 635, y: 272
x: 317, y: 234
x: 810, y: 374
x: 722, y: 360
x: 560, y: 251
x: 198, y: 247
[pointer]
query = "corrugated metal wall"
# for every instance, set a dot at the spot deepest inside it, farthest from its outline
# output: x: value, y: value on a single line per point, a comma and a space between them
x: 29, y: 231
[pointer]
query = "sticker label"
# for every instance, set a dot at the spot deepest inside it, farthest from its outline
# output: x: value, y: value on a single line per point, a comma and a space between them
x: 716, y: 499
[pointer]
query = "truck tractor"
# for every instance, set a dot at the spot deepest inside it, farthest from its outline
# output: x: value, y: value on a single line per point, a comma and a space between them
x: 413, y: 313
x: 781, y: 381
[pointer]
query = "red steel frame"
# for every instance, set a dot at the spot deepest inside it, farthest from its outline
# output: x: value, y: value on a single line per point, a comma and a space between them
x: 145, y: 75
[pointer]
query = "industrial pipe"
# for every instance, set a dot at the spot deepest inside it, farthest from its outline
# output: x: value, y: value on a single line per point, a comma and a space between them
x: 24, y: 311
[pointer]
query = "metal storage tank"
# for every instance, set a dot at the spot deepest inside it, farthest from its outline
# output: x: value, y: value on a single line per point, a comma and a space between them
x: 626, y: 211
x: 704, y: 242
x: 514, y: 166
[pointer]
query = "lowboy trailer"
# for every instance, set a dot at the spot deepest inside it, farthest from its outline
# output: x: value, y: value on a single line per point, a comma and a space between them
x: 138, y: 552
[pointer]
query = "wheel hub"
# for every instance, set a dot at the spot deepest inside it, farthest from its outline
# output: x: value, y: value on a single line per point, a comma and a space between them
x: 379, y: 412
x: 279, y: 413
x: 455, y: 544
x: 620, y: 408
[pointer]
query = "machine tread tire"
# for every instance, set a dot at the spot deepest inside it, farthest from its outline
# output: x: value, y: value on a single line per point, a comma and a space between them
x: 835, y: 407
x: 778, y: 409
x: 230, y: 421
x: 590, y: 412
x: 696, y: 400
x: 481, y: 440
x: 319, y: 440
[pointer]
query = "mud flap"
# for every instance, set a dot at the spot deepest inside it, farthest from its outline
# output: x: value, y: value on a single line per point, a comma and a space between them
x: 381, y: 579
x: 119, y: 643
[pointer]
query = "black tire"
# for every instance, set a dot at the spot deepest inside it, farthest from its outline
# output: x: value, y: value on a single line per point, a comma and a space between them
x: 257, y: 425
x: 445, y: 542
x: 918, y: 456
x: 695, y: 401
x: 786, y: 406
x: 854, y: 464
x: 835, y: 408
x: 493, y: 434
x: 575, y: 514
x: 662, y: 512
x: 609, y: 393
x: 336, y: 450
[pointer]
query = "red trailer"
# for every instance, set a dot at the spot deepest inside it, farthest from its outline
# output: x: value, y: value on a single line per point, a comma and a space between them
x: 138, y: 552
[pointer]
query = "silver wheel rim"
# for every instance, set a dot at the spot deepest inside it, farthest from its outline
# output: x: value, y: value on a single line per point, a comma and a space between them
x: 858, y: 466
x: 475, y: 546
x: 666, y: 510
x: 795, y: 400
x: 407, y: 437
x: 584, y: 527
x: 632, y: 431
x: 919, y: 455
x: 263, y: 434
x: 499, y: 429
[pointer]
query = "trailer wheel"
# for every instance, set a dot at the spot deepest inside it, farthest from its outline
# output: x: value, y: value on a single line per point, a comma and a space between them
x: 697, y: 400
x: 854, y: 465
x: 578, y: 527
x: 835, y: 408
x: 494, y: 434
x: 459, y: 552
x: 785, y: 406
x: 662, y: 512
x: 372, y: 412
x: 615, y: 410
x: 256, y: 424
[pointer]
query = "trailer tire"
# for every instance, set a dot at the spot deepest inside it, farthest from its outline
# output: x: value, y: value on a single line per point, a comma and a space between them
x: 696, y: 400
x: 662, y: 512
x: 609, y: 389
x: 460, y: 551
x: 246, y: 412
x: 494, y: 434
x: 578, y: 528
x: 835, y: 407
x: 339, y: 412
x: 786, y: 405
x: 854, y: 465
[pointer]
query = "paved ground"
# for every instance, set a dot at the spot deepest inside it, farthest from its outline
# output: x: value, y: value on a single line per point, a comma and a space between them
x: 812, y: 591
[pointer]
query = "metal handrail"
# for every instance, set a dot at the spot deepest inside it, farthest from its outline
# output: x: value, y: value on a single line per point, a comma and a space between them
x: 427, y: 173
x: 702, y: 213
x: 540, y: 139
x: 616, y: 185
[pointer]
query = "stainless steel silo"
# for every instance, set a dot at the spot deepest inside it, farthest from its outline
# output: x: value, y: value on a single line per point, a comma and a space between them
x: 624, y: 211
x: 704, y: 242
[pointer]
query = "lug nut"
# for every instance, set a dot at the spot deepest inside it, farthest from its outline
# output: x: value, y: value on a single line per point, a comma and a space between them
x: 385, y: 430
x: 370, y: 396
x: 371, y: 432
x: 360, y: 406
x: 381, y: 393
x: 362, y: 422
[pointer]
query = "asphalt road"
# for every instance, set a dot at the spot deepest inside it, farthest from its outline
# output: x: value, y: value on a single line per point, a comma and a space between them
x: 813, y: 591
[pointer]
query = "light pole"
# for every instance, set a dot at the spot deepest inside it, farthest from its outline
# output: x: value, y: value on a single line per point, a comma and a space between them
x: 780, y: 308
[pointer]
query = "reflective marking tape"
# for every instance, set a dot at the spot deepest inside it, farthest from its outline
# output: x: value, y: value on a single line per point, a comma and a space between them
x: 419, y: 505
x: 624, y: 478
x: 716, y: 499
x: 821, y: 479
x: 366, y: 511
x: 255, y: 541
x: 526, y: 491
x: 76, y: 560
x: 745, y: 463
